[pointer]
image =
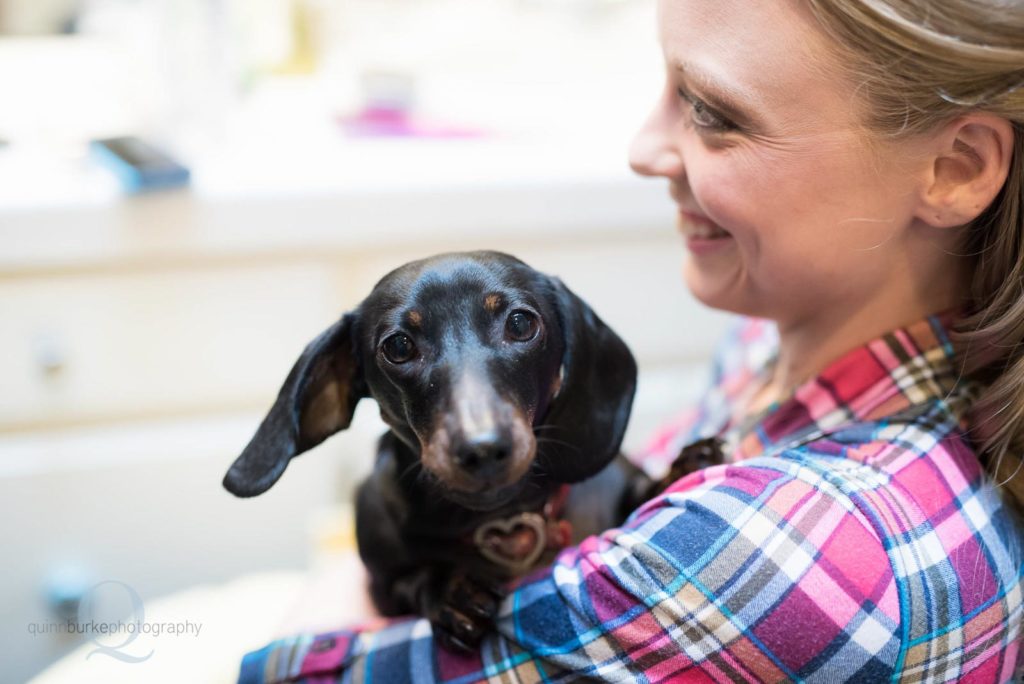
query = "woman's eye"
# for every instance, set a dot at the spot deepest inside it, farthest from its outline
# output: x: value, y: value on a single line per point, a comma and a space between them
x: 399, y: 349
x: 521, y: 326
x: 703, y: 116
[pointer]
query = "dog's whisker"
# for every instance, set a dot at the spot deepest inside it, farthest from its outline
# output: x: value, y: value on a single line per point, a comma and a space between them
x: 550, y: 440
x: 538, y: 428
x: 557, y: 442
x: 414, y: 466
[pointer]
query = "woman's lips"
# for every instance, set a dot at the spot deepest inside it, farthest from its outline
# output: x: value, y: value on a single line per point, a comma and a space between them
x: 702, y: 225
x: 702, y: 234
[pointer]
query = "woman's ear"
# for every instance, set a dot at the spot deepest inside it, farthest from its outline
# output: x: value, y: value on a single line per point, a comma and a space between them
x: 971, y: 160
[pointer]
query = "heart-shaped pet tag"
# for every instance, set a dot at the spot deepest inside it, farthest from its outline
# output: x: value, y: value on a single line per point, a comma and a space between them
x: 514, y: 543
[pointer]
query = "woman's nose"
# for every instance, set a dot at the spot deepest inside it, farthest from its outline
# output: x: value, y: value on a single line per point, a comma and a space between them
x: 653, y: 152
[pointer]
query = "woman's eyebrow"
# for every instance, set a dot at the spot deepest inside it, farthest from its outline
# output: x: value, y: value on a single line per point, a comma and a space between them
x: 724, y: 98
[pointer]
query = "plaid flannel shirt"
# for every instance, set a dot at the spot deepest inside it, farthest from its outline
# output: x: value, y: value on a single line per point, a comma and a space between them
x: 853, y: 536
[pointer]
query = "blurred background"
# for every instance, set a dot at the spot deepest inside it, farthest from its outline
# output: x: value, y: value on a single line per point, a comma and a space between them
x: 282, y: 155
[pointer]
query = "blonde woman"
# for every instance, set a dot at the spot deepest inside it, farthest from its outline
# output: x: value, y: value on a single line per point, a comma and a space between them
x: 849, y: 177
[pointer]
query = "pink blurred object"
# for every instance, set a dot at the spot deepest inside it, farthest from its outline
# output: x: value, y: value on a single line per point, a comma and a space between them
x: 391, y: 122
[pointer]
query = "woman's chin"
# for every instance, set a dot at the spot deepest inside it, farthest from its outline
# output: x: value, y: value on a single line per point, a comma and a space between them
x: 711, y: 287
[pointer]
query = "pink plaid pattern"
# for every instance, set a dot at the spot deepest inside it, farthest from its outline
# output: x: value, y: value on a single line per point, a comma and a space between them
x: 852, y: 536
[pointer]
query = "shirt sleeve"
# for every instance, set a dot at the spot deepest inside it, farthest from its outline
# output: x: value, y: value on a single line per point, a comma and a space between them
x: 750, y: 572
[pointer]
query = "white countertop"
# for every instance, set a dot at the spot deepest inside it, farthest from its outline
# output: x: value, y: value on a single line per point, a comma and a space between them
x: 323, y: 190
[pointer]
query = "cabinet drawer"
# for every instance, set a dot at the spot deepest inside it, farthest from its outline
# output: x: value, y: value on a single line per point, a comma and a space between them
x: 83, y: 348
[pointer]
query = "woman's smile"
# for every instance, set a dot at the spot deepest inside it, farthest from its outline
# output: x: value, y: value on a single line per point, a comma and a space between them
x: 702, y: 235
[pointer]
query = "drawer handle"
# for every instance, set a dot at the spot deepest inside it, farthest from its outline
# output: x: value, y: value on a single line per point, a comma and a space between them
x: 50, y: 355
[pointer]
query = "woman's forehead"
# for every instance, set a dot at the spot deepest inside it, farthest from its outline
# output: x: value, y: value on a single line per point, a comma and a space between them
x: 762, y: 50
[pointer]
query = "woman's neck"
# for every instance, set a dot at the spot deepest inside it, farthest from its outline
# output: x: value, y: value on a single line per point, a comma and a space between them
x: 806, y: 348
x: 930, y: 277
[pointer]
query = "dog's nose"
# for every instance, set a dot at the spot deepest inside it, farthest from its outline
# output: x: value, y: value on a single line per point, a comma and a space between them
x: 483, y: 455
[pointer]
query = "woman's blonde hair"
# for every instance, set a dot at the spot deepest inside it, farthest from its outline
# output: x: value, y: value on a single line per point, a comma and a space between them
x: 919, y: 64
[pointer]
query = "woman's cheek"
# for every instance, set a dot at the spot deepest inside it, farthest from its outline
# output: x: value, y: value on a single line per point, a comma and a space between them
x: 736, y: 182
x: 722, y: 198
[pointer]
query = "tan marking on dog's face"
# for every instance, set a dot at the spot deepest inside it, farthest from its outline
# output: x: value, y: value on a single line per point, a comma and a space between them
x: 492, y: 302
x: 436, y: 457
x: 475, y: 410
x: 556, y: 386
x: 415, y: 318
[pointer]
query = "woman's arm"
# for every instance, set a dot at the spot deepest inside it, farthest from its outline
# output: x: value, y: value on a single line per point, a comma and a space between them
x: 748, y: 572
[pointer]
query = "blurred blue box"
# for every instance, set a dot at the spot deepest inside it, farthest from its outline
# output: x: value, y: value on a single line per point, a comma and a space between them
x: 139, y: 166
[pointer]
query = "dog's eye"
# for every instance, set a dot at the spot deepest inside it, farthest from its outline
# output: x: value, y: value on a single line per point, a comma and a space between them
x: 399, y: 348
x: 521, y: 326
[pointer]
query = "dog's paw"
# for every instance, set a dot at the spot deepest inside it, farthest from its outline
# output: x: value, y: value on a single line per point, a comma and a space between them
x: 704, y: 453
x: 466, y: 612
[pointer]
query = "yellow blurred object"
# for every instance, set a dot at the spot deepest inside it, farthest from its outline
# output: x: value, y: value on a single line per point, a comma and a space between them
x: 332, y: 530
x: 305, y: 51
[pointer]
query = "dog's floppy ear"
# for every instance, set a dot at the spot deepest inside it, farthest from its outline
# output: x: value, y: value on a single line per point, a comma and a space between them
x: 317, y: 399
x: 592, y: 407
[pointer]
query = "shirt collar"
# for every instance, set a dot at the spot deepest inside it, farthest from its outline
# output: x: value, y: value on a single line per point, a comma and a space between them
x: 908, y: 367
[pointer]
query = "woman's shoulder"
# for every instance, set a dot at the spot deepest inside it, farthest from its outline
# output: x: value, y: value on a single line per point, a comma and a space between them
x: 925, y: 464
x: 788, y: 557
x: 890, y: 541
x: 952, y: 545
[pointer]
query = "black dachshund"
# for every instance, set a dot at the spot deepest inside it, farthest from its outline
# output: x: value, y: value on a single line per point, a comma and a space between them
x: 500, y: 387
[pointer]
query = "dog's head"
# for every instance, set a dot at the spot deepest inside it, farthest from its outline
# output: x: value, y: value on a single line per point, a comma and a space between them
x: 484, y: 367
